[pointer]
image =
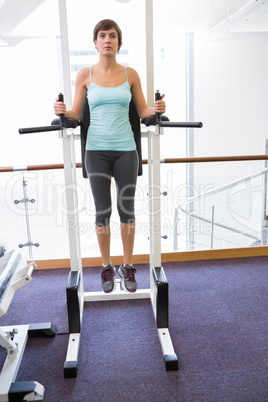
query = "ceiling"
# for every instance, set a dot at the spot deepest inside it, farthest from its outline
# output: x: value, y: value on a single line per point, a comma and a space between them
x: 202, y: 16
x: 13, y: 12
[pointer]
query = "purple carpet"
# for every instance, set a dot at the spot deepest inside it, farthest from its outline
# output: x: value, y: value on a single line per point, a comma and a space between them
x: 218, y: 324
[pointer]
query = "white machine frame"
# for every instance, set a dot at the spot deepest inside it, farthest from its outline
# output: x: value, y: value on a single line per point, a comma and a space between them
x: 14, y: 338
x: 158, y: 291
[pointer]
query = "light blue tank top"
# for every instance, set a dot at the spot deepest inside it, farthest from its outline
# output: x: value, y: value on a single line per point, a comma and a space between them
x: 109, y: 129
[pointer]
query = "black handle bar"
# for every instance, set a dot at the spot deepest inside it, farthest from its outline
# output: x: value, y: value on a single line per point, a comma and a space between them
x: 180, y: 124
x: 31, y: 130
x: 163, y: 121
x: 156, y: 98
x: 53, y: 127
x: 62, y: 116
x: 157, y: 119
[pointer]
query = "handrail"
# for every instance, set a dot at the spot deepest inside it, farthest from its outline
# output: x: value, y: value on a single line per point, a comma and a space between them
x: 145, y: 162
x: 233, y: 158
x: 221, y: 225
x: 211, y: 192
x: 224, y: 187
x: 52, y: 166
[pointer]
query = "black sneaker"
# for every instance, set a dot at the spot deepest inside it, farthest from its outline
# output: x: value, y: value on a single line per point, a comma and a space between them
x: 127, y: 272
x: 107, y: 278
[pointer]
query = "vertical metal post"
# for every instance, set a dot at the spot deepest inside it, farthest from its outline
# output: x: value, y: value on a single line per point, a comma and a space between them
x: 175, y: 233
x: 75, y: 282
x: 212, y: 228
x: 71, y: 201
x: 75, y: 311
x: 28, y: 229
x: 149, y: 51
x: 64, y: 52
x: 190, y: 131
x: 151, y: 219
x: 158, y: 280
x: 155, y: 243
x: 68, y: 147
x: 264, y: 236
x: 150, y: 194
x: 154, y: 198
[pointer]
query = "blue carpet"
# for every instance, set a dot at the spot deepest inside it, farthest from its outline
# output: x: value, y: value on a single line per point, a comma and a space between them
x: 218, y: 324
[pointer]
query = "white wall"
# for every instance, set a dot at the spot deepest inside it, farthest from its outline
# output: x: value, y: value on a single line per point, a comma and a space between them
x: 231, y: 96
x: 231, y: 99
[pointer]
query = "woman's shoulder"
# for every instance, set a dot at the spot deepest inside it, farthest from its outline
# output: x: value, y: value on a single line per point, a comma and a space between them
x: 133, y: 77
x: 83, y: 73
x: 131, y: 71
x: 83, y: 77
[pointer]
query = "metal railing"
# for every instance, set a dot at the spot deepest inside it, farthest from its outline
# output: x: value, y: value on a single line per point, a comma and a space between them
x: 259, y: 238
x: 182, y: 208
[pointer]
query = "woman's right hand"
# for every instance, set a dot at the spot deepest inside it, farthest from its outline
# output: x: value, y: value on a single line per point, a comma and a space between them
x: 59, y: 108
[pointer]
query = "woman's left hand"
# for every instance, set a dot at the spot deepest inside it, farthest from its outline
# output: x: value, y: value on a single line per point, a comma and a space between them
x: 159, y: 105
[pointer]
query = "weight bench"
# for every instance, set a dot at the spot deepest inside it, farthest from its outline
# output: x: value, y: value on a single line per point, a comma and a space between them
x: 14, y: 274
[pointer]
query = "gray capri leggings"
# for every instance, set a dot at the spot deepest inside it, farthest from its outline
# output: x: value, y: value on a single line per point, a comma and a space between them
x: 123, y: 166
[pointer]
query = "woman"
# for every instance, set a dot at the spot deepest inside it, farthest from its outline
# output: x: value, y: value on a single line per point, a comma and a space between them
x: 110, y: 148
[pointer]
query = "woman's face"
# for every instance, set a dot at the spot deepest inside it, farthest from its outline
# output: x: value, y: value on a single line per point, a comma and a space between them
x: 107, y: 42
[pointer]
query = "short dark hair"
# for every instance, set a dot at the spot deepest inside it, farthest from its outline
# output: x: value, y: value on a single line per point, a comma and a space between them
x: 106, y: 25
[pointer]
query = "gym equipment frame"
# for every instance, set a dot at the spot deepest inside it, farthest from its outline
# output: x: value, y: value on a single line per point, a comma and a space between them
x: 158, y: 291
x: 14, y: 274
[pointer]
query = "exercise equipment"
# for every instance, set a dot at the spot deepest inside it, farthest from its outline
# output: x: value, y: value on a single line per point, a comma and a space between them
x: 14, y: 274
x: 158, y: 291
x: 25, y: 200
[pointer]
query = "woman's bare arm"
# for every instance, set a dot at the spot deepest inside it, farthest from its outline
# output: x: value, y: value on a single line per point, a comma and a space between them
x: 79, y: 98
x: 139, y: 100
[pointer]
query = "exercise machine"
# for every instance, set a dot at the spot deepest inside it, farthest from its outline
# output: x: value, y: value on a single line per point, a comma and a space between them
x: 14, y: 274
x: 158, y: 292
